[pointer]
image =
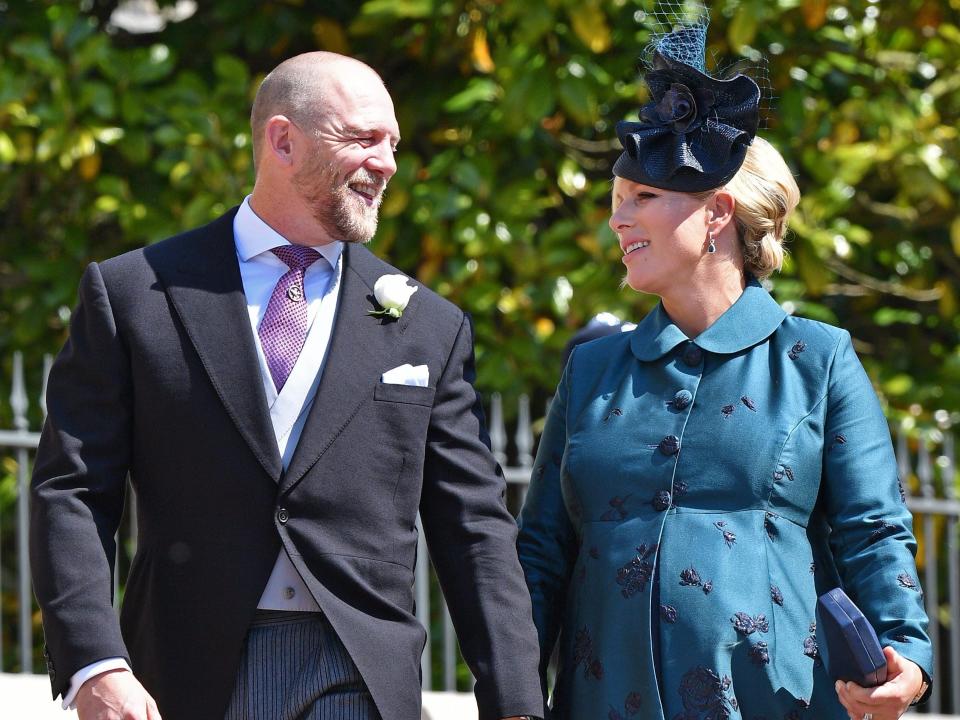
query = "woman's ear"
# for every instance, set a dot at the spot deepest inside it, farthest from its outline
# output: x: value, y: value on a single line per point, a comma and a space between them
x: 721, y: 208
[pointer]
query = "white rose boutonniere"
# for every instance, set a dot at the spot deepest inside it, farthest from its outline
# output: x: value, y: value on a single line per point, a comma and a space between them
x: 393, y: 294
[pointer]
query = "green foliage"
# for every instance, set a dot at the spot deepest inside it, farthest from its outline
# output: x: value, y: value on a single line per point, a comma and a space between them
x: 109, y: 141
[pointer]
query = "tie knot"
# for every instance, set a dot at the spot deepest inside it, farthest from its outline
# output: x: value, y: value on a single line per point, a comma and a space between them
x: 296, y: 257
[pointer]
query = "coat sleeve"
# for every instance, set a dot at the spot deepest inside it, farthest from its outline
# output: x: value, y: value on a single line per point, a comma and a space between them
x: 547, y: 541
x: 871, y: 528
x: 77, y: 490
x: 471, y: 537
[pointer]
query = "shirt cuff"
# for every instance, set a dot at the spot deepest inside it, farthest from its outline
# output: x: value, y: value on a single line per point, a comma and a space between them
x: 85, y: 673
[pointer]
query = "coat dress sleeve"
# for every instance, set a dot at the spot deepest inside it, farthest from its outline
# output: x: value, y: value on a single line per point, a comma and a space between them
x: 78, y: 488
x: 471, y: 537
x: 547, y: 542
x: 871, y: 536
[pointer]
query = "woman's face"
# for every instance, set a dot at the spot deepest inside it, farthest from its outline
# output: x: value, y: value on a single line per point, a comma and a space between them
x: 662, y: 233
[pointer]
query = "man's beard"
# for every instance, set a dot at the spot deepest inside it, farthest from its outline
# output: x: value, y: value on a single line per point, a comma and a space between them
x: 342, y: 213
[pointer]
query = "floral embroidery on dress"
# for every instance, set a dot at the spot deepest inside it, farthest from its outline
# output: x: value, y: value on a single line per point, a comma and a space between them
x: 631, y: 706
x: 881, y: 530
x: 704, y: 696
x: 903, y: 495
x: 798, y: 347
x: 616, y: 412
x: 750, y: 404
x: 728, y: 537
x: 781, y: 471
x: 635, y: 575
x: 900, y: 637
x: 583, y: 653
x: 745, y: 624
x: 690, y: 576
x: 760, y: 653
x: 811, y: 649
x: 776, y: 595
x: 906, y: 581
x: 616, y: 511
x: 727, y: 411
x: 668, y: 613
x: 838, y: 439
x: 679, y: 489
x: 769, y: 525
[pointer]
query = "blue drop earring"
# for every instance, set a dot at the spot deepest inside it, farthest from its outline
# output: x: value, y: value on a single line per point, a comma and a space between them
x: 712, y: 248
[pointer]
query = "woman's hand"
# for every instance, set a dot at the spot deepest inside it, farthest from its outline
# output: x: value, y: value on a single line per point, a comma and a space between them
x: 884, y: 702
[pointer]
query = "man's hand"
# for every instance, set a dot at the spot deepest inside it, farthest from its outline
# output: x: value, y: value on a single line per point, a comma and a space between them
x: 884, y: 702
x: 115, y: 695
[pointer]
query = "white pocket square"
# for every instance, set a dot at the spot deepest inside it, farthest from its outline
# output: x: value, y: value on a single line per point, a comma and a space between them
x: 407, y: 375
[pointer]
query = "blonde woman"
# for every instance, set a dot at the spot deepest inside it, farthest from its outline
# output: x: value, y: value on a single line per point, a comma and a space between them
x: 703, y: 478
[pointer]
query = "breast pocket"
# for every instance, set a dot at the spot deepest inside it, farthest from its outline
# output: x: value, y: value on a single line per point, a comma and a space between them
x: 411, y: 394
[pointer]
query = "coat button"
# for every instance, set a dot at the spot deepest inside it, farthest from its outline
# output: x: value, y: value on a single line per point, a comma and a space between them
x: 282, y: 516
x: 289, y: 593
x: 682, y: 399
x: 692, y: 355
x: 670, y: 445
x: 661, y: 501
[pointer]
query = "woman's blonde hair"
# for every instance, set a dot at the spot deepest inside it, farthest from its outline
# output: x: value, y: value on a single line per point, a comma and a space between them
x: 766, y: 194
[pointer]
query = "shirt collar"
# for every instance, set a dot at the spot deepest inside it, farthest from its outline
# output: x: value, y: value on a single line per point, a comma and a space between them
x: 253, y: 237
x: 750, y: 320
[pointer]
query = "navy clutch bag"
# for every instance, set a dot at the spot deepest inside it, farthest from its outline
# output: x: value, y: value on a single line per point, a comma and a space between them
x: 847, y: 642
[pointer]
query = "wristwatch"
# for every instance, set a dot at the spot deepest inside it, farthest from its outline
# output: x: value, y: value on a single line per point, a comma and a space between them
x: 924, y: 686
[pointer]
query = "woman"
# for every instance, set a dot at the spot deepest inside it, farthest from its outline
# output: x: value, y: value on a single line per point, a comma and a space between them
x: 702, y: 479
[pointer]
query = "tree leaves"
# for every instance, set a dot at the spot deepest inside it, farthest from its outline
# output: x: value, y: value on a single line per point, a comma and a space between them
x: 110, y: 141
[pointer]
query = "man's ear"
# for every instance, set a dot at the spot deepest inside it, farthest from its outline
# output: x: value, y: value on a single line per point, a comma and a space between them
x: 278, y: 133
x: 721, y: 208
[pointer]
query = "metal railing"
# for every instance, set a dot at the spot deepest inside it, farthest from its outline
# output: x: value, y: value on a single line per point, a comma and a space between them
x: 926, y: 463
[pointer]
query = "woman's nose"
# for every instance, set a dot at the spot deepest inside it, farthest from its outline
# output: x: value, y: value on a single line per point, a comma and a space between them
x: 619, y: 221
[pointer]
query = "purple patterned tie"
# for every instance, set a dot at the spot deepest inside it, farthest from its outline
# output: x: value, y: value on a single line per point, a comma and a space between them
x: 283, y: 329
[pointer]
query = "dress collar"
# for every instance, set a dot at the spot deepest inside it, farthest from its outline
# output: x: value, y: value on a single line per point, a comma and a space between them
x: 253, y: 237
x: 750, y: 320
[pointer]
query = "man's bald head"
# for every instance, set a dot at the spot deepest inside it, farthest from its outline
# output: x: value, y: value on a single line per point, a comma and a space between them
x: 297, y: 88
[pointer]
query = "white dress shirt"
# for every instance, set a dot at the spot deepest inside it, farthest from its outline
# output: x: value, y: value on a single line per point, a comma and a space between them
x: 260, y: 270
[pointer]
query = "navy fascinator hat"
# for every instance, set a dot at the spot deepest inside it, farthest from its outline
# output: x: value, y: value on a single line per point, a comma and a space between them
x: 694, y: 133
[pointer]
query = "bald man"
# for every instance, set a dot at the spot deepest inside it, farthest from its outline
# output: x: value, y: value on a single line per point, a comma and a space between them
x: 281, y: 428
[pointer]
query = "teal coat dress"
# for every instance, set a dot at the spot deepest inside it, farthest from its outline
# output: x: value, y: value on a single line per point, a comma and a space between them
x: 690, y: 500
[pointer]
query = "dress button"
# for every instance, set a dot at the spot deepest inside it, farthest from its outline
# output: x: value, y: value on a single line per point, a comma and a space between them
x: 682, y: 399
x: 288, y: 593
x: 692, y: 355
x: 282, y: 516
x: 670, y: 445
x: 661, y: 501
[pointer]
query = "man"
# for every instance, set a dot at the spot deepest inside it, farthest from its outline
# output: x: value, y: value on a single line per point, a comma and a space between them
x: 280, y: 439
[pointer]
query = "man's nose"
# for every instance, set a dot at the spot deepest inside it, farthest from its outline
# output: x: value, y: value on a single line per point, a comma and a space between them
x: 382, y: 161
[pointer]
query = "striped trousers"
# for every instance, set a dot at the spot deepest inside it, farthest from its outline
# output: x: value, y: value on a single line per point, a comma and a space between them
x: 294, y: 667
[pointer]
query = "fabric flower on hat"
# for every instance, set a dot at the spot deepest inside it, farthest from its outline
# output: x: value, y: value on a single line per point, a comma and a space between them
x: 694, y: 133
x: 680, y: 108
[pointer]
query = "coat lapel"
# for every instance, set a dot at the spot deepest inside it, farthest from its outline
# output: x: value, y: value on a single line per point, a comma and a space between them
x: 204, y: 285
x: 360, y: 350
